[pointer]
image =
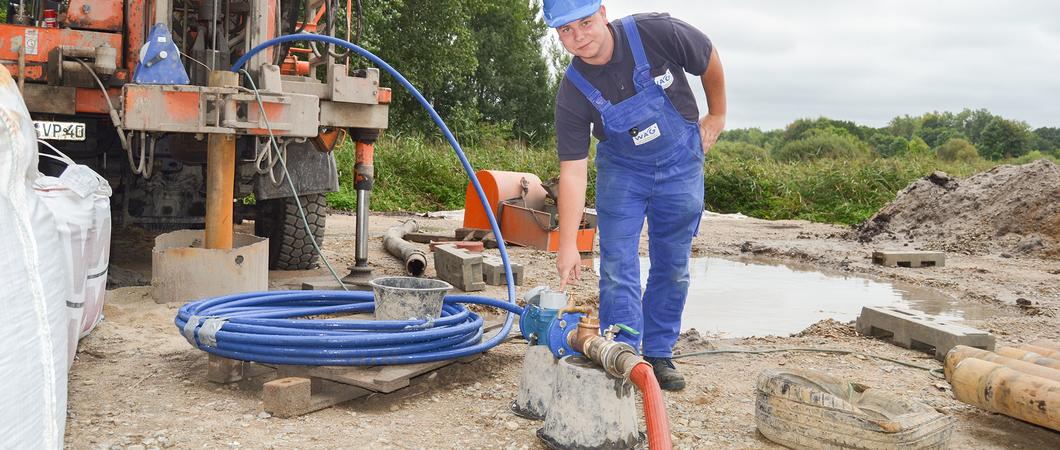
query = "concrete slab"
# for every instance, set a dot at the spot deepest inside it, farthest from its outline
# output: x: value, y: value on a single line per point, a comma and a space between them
x: 909, y: 259
x: 458, y: 267
x: 493, y: 271
x: 919, y: 331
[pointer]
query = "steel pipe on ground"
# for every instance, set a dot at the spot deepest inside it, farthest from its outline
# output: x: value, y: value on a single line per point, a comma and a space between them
x: 395, y: 244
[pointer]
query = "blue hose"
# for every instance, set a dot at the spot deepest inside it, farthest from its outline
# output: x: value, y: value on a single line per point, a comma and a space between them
x: 262, y: 326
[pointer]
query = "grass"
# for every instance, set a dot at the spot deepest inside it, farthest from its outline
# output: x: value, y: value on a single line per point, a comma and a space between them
x: 420, y: 174
x: 822, y: 190
x: 414, y: 173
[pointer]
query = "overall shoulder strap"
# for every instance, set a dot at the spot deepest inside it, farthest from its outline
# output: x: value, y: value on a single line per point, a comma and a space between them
x: 642, y: 71
x: 587, y: 89
x: 635, y: 45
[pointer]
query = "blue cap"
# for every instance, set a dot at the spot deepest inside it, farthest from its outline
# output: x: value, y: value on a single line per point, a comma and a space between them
x: 561, y: 12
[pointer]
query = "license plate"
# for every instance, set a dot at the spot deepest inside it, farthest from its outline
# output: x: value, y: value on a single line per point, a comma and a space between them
x: 60, y: 131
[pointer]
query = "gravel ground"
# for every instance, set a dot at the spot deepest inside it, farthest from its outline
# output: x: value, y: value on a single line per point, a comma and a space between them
x: 137, y: 384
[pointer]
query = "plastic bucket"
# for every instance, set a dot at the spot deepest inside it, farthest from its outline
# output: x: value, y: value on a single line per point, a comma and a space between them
x: 408, y: 298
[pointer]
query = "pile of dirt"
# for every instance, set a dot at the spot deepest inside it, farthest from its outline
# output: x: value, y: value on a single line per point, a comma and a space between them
x: 829, y: 328
x: 1008, y: 209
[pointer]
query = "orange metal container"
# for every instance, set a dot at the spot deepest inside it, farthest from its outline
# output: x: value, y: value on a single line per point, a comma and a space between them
x: 529, y: 228
x: 499, y: 186
x: 521, y: 221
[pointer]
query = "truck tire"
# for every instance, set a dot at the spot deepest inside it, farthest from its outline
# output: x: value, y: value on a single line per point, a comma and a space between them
x: 289, y: 246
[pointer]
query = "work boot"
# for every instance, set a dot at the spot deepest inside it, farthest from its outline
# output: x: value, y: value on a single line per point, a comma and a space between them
x: 666, y: 373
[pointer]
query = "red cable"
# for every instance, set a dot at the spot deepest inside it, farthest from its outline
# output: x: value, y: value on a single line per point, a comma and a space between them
x: 654, y: 407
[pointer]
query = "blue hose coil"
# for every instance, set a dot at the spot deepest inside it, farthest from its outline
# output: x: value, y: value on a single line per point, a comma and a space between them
x: 263, y: 326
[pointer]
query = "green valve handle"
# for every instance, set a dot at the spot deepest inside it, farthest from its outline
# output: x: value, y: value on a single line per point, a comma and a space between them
x: 627, y: 329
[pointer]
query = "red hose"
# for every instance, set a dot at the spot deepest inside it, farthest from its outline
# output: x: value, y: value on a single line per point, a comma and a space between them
x: 654, y: 407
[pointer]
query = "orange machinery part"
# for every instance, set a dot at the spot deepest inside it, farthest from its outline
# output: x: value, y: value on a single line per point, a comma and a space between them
x: 523, y: 224
x: 499, y: 186
x: 654, y: 407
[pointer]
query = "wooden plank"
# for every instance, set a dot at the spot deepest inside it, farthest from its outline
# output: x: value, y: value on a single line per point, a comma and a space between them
x: 426, y: 238
x: 223, y: 370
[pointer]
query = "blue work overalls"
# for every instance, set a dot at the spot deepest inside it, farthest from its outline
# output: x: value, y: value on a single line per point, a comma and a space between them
x: 650, y: 165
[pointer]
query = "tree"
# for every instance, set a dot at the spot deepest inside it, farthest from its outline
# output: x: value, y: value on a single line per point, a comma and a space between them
x: 887, y: 145
x: 903, y: 126
x: 512, y: 83
x: 957, y: 149
x: 917, y: 147
x: 431, y: 43
x: 1048, y: 140
x: 937, y: 128
x: 1004, y: 138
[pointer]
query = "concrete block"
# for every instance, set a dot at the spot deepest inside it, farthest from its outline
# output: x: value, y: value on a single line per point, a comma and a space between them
x: 920, y: 331
x: 493, y: 271
x: 458, y: 267
x: 909, y: 259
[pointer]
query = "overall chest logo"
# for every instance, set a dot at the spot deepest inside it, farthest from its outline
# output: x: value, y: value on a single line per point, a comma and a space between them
x: 641, y: 137
x: 665, y: 80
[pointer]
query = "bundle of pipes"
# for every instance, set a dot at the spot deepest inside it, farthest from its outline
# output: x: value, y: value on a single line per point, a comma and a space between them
x: 1023, y: 383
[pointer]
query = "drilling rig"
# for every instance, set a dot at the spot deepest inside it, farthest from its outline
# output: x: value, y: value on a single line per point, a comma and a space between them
x: 129, y: 88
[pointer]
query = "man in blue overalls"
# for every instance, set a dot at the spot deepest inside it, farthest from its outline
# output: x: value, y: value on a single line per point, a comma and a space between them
x: 627, y: 82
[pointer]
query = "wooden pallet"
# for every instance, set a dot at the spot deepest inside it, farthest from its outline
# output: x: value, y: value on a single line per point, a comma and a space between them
x: 290, y: 391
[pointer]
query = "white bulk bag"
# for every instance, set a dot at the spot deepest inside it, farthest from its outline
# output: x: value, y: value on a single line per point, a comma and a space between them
x: 35, y: 285
x: 80, y: 201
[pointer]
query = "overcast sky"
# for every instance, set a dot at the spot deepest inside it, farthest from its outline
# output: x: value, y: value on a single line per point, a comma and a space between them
x: 871, y: 60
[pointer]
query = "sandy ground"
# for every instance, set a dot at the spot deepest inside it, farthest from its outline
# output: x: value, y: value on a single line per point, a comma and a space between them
x: 137, y: 384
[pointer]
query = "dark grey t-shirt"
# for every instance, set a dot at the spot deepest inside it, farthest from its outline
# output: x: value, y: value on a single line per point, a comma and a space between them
x: 671, y: 46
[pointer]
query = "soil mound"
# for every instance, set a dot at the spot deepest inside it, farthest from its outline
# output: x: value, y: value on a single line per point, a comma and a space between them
x: 1008, y: 209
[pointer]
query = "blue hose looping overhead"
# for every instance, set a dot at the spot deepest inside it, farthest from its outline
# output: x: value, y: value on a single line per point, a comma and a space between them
x: 264, y: 326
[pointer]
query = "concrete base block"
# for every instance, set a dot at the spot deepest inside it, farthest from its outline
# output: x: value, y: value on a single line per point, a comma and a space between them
x: 183, y: 271
x: 459, y: 267
x: 590, y: 409
x: 909, y: 259
x: 493, y: 271
x: 920, y: 331
x: 535, y: 384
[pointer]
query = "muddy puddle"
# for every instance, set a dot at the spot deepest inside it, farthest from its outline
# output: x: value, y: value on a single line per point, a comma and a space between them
x: 739, y: 299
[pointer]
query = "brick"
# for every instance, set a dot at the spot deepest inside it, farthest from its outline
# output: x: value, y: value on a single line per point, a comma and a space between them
x: 920, y: 331
x: 493, y: 271
x: 471, y: 246
x: 909, y: 259
x: 459, y: 267
x: 287, y: 397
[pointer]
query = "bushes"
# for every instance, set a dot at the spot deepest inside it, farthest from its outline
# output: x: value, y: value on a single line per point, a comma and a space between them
x: 737, y: 150
x: 823, y: 190
x: 957, y: 149
x: 817, y: 143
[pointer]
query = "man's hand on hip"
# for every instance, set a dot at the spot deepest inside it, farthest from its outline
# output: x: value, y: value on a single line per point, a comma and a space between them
x: 710, y: 127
